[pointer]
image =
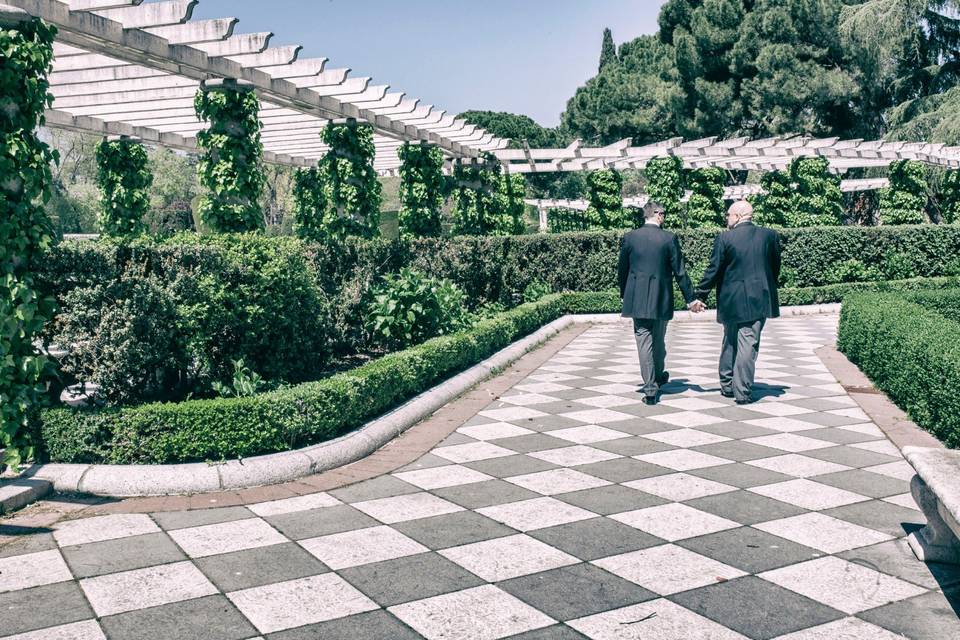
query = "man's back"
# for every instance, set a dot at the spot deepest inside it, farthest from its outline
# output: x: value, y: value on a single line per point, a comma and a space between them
x: 650, y: 259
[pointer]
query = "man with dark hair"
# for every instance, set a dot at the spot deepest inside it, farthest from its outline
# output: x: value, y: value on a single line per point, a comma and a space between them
x: 745, y: 268
x: 650, y: 260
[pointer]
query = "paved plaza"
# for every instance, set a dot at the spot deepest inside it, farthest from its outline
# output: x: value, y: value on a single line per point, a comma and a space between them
x: 566, y: 509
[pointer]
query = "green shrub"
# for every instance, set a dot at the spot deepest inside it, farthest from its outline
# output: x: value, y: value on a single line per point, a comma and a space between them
x: 705, y: 205
x: 124, y: 179
x: 410, y: 307
x: 245, y: 382
x: 606, y: 200
x: 536, y: 290
x: 852, y: 270
x: 905, y: 201
x: 911, y: 352
x: 665, y: 184
x: 422, y: 186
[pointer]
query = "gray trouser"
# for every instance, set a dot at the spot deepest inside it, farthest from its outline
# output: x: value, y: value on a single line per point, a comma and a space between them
x: 738, y: 357
x: 650, y: 336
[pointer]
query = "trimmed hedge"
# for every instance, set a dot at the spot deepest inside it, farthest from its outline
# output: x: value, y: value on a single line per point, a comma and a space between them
x: 911, y: 351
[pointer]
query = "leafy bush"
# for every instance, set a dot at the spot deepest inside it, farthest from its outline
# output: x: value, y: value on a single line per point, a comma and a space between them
x: 852, y: 270
x: 950, y: 196
x: 536, y: 290
x: 245, y: 382
x: 410, y: 307
x: 351, y: 191
x: 911, y: 352
x: 906, y: 199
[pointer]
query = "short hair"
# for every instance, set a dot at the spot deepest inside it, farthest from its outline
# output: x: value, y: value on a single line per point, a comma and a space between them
x: 741, y: 208
x: 652, y: 209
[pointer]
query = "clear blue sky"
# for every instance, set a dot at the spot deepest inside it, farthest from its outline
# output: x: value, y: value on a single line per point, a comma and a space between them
x: 523, y: 56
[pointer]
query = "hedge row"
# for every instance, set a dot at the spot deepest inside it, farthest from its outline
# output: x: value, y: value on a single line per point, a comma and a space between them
x: 909, y: 345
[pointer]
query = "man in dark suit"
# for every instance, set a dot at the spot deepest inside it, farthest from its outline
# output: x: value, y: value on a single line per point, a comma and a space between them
x: 650, y: 260
x: 745, y: 268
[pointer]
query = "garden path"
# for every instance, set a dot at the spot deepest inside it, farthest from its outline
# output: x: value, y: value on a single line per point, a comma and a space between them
x: 565, y: 509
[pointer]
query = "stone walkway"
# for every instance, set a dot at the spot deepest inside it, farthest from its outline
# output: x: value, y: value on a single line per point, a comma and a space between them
x: 566, y: 509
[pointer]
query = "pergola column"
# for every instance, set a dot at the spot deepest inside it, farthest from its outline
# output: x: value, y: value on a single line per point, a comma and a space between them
x: 124, y: 179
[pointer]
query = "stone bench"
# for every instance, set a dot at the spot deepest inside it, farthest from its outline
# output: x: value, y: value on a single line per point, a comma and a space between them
x: 936, y: 489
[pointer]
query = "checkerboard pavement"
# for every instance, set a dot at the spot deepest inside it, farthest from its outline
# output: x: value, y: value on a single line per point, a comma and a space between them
x: 565, y: 509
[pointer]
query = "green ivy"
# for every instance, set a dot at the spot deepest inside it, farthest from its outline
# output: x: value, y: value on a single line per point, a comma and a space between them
x: 26, y: 53
x: 665, y: 185
x: 309, y: 203
x: 705, y: 206
x: 351, y: 190
x: 124, y: 180
x: 906, y: 199
x: 950, y: 197
x: 563, y: 220
x: 805, y: 195
x: 231, y: 167
x: 509, y: 205
x: 773, y: 206
x: 475, y: 185
x: 421, y: 190
x: 606, y: 200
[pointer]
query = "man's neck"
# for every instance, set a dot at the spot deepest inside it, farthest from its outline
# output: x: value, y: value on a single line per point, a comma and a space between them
x: 742, y: 222
x: 652, y: 223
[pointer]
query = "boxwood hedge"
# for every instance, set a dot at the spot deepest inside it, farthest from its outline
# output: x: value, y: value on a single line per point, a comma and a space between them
x: 909, y: 346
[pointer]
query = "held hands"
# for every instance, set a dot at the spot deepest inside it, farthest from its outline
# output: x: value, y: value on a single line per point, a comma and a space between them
x: 697, y: 306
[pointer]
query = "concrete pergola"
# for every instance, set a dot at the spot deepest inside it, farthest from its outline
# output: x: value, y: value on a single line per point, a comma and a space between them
x: 125, y: 67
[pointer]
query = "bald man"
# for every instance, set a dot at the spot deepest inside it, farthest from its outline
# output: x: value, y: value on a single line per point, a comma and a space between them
x: 745, y: 269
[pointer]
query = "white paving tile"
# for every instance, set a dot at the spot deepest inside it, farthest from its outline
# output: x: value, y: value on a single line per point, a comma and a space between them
x: 784, y: 425
x: 536, y: 513
x: 527, y: 399
x: 450, y: 475
x: 880, y: 446
x: 598, y: 416
x: 686, y: 437
x: 32, y: 570
x: 692, y: 404
x: 297, y: 603
x: 852, y: 412
x: 481, y: 613
x: 620, y: 379
x: 512, y: 414
x: 573, y: 456
x: 845, y: 586
x: 292, y: 505
x: 588, y: 434
x: 557, y: 481
x: 655, y: 620
x: 542, y: 387
x: 614, y: 387
x: 411, y: 506
x: 361, y: 546
x: 822, y: 532
x: 226, y: 537
x: 679, y: 487
x: 86, y: 630
x: 790, y: 442
x: 900, y: 470
x: 675, y: 521
x: 552, y: 376
x: 779, y: 409
x: 668, y: 569
x: 101, y: 528
x: 799, y: 466
x: 494, y: 430
x: 867, y: 429
x: 508, y: 557
x: 809, y: 494
x: 682, y: 459
x: 845, y: 629
x: 472, y: 452
x: 608, y: 401
x: 903, y: 500
x: 688, y: 419
x: 143, y: 588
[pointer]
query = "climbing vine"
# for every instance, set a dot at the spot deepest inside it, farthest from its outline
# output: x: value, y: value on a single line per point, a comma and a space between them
x: 475, y: 187
x: 231, y: 167
x: 124, y: 180
x: 950, y: 197
x: 26, y: 53
x: 906, y: 199
x: 805, y: 195
x: 665, y: 185
x: 774, y: 205
x: 351, y: 190
x: 509, y: 205
x: 605, y: 192
x: 705, y: 206
x: 421, y: 190
x: 308, y: 204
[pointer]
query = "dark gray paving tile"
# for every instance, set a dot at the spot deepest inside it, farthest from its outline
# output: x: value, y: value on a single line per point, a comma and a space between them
x: 745, y: 507
x: 171, y: 520
x: 428, y: 461
x: 556, y: 632
x: 458, y: 438
x: 737, y: 430
x: 896, y: 558
x: 531, y: 442
x: 734, y: 413
x: 740, y: 475
x: 453, y: 529
x: 738, y: 450
x: 375, y: 625
x: 485, y: 494
x: 113, y: 556
x: 750, y: 549
x: 576, y: 591
x: 320, y: 522
x: 595, y: 538
x: 838, y: 436
x: 623, y: 469
x: 850, y: 456
x: 865, y: 483
x: 819, y: 404
x: 577, y: 394
x: 511, y: 465
x: 646, y: 410
x: 210, y: 618
x: 878, y: 515
x: 380, y: 487
x: 827, y: 419
x: 610, y: 499
x: 42, y: 607
x: 548, y: 422
x: 745, y: 605
x: 633, y: 446
x: 560, y: 407
x: 932, y: 616
x: 26, y: 543
x: 410, y: 578
x: 257, y: 567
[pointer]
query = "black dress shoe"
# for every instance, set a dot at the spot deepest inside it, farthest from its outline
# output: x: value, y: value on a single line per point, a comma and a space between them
x: 664, y: 378
x: 651, y: 400
x: 726, y: 394
x: 748, y: 401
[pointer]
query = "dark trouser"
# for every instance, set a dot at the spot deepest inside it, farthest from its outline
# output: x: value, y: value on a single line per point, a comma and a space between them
x: 738, y: 357
x: 652, y: 350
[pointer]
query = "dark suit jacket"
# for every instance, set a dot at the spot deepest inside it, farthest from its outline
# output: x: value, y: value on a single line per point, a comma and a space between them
x: 650, y: 259
x: 745, y: 268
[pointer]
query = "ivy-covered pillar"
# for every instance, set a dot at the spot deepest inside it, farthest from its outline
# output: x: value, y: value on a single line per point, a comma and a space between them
x: 705, y: 206
x: 508, y: 217
x: 950, y: 196
x: 475, y: 187
x: 124, y: 180
x: 665, y: 184
x: 421, y: 190
x: 308, y: 204
x: 606, y: 199
x: 26, y: 53
x: 351, y: 190
x: 231, y: 166
x: 906, y: 199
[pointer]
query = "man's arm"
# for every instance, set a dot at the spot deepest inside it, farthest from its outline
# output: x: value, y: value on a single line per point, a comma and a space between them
x: 775, y: 257
x: 714, y: 270
x: 680, y: 271
x: 623, y: 265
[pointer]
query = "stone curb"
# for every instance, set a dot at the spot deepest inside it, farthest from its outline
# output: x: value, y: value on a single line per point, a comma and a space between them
x: 123, y: 481
x: 21, y: 492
